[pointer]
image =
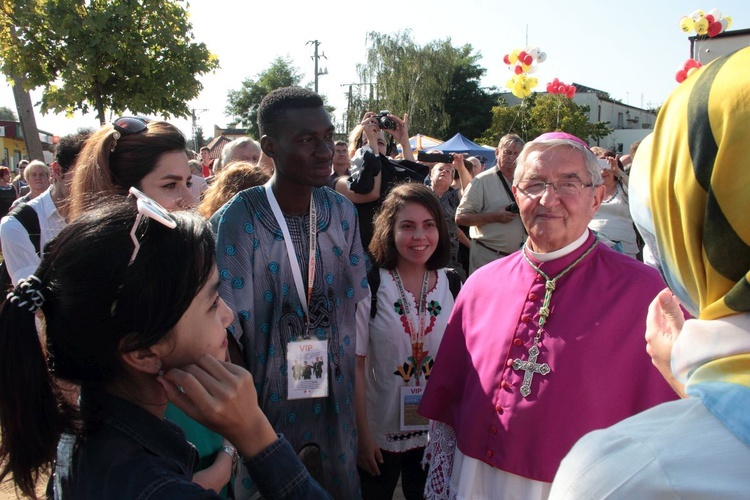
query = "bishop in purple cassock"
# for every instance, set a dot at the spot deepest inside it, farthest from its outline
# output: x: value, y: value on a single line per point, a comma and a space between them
x: 544, y: 345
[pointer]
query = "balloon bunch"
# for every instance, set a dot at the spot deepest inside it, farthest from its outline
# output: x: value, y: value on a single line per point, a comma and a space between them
x: 521, y: 85
x: 711, y: 23
x: 521, y: 63
x: 687, y: 69
x: 557, y: 87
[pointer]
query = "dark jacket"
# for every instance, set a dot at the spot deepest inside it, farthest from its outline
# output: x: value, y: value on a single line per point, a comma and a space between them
x: 131, y: 454
x: 392, y: 173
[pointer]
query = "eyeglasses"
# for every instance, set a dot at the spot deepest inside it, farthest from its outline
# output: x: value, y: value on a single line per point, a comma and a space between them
x: 508, y: 152
x: 147, y: 208
x: 534, y: 189
x: 127, y: 125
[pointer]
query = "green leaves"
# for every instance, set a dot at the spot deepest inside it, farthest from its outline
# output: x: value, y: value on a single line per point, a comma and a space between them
x: 437, y: 84
x: 110, y: 55
x: 242, y: 104
x: 543, y: 113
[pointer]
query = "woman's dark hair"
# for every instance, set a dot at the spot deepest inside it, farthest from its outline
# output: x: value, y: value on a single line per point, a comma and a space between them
x: 112, y: 166
x: 383, y: 244
x: 96, y: 307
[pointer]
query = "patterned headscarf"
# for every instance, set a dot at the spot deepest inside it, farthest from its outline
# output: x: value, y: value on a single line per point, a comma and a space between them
x: 690, y: 189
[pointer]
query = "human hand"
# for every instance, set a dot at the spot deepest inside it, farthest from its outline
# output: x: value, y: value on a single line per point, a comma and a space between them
x: 458, y: 161
x: 401, y: 133
x: 664, y: 323
x: 504, y: 216
x: 613, y: 165
x: 369, y: 455
x: 222, y: 397
x: 370, y: 129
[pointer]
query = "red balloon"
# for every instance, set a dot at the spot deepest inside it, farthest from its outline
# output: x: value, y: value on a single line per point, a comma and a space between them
x: 571, y: 92
x: 562, y: 89
x: 528, y: 60
x: 691, y: 63
x: 522, y: 55
x: 506, y: 59
x: 518, y: 70
x: 680, y: 76
x: 710, y: 18
x: 556, y: 81
x: 714, y: 29
x: 549, y: 88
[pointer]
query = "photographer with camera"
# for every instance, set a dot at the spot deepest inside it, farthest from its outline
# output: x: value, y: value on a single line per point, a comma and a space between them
x: 373, y: 173
x: 488, y: 206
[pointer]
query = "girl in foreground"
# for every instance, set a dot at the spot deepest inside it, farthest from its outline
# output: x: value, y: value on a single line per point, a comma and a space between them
x: 132, y: 316
x: 397, y: 344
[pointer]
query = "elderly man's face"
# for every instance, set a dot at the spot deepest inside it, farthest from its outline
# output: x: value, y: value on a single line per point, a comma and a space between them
x: 506, y: 158
x: 554, y: 221
x: 247, y: 152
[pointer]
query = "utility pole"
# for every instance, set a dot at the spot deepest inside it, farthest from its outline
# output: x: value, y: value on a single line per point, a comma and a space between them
x: 316, y: 57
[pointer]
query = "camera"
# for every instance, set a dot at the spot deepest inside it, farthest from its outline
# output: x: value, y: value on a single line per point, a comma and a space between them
x: 513, y: 208
x: 604, y: 164
x: 434, y: 157
x: 386, y: 122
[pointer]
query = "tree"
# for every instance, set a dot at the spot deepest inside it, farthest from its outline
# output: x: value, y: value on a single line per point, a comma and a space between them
x: 541, y: 113
x: 7, y: 114
x: 242, y: 104
x: 109, y: 55
x: 198, y: 140
x: 438, y: 85
x: 468, y: 105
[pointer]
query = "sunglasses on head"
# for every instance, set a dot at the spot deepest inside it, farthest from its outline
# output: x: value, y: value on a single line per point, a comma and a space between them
x: 127, y: 125
x: 147, y: 209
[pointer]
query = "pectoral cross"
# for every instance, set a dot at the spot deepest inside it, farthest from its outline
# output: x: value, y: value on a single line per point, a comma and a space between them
x: 530, y: 367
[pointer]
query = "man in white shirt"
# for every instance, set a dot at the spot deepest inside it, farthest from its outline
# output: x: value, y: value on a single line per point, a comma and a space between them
x: 51, y: 208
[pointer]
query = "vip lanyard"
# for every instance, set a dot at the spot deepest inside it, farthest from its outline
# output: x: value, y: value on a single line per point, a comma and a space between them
x: 296, y: 271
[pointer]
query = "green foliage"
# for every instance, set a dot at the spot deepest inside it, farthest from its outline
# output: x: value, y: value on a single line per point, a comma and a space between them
x: 198, y: 141
x: 109, y: 55
x: 542, y: 113
x: 243, y: 104
x: 437, y: 85
x: 8, y: 114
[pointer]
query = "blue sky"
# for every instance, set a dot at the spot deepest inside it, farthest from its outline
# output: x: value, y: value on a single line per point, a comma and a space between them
x: 629, y: 49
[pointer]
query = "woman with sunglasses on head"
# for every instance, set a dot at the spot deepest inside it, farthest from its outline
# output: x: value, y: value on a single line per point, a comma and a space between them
x: 133, y: 317
x: 133, y: 152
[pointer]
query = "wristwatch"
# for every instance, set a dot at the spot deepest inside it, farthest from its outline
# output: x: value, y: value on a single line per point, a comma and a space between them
x: 232, y: 452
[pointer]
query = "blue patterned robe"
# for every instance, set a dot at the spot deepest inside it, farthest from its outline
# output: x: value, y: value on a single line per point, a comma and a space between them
x: 257, y: 283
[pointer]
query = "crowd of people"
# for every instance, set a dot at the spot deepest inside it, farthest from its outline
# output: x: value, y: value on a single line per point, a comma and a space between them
x: 306, y: 318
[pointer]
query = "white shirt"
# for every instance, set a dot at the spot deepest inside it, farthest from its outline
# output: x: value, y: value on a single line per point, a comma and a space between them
x: 675, y: 450
x: 678, y: 449
x: 18, y: 251
x: 387, y: 345
x: 198, y: 187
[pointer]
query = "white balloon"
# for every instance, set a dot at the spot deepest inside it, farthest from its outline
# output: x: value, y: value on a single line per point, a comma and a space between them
x: 696, y: 15
x: 542, y: 57
x: 724, y: 24
x: 534, y: 52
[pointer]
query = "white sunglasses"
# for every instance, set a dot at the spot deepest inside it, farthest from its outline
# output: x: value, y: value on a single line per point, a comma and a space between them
x: 147, y: 208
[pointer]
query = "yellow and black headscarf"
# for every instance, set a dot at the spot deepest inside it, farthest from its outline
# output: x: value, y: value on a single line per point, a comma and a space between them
x: 690, y: 188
